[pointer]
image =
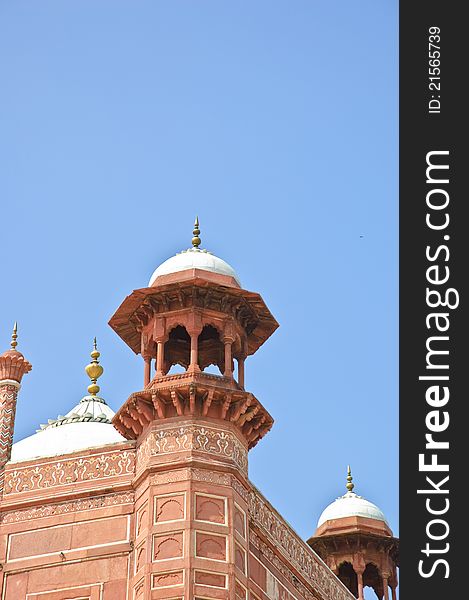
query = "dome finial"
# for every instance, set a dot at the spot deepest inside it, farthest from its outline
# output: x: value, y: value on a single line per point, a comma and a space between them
x: 14, y: 336
x: 196, y: 232
x: 349, y: 485
x: 94, y: 370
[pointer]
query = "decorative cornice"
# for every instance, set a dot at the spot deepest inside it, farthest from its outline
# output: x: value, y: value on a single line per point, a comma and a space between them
x: 13, y: 365
x: 142, y: 305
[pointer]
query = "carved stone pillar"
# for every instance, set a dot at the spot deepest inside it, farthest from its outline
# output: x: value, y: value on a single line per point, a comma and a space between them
x: 8, y: 395
x: 241, y: 372
x: 13, y: 366
x: 359, y: 566
x: 228, y: 358
x: 194, y: 364
x: 160, y: 358
x: 385, y: 587
x: 360, y: 585
x: 147, y: 371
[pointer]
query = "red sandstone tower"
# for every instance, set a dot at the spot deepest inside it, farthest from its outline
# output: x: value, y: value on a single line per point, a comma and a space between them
x: 13, y: 366
x: 355, y: 541
x: 193, y: 429
x: 154, y: 502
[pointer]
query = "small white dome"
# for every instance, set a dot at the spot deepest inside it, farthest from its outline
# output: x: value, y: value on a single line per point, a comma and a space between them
x: 193, y: 258
x: 87, y: 425
x: 351, y: 505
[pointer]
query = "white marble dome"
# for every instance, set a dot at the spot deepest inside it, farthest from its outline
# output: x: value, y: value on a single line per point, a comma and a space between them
x: 87, y: 425
x: 194, y: 258
x: 351, y: 505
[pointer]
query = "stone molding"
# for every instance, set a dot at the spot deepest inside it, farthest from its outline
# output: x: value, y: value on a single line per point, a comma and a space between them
x: 216, y: 442
x: 50, y: 474
x: 216, y: 477
x: 73, y: 506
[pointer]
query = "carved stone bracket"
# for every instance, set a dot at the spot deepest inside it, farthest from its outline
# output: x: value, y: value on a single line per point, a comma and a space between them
x: 194, y: 395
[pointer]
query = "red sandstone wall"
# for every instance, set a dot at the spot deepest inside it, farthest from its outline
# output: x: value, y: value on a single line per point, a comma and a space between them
x: 175, y: 520
x: 81, y: 554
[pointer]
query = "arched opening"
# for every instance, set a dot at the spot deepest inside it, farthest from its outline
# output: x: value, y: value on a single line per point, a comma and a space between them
x: 211, y: 351
x: 176, y: 370
x: 177, y: 349
x: 372, y: 578
x: 348, y: 577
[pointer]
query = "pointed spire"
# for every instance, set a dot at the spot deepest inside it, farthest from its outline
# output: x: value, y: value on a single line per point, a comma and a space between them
x: 349, y: 485
x: 94, y: 370
x: 196, y: 232
x: 14, y: 336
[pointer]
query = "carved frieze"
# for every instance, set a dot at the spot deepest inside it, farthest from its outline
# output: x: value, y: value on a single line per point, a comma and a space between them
x: 217, y: 443
x: 63, y: 508
x: 62, y: 472
x: 216, y: 477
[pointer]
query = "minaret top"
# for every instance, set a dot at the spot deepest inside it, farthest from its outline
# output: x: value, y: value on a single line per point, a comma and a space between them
x: 350, y: 505
x: 13, y: 364
x: 194, y: 314
x: 349, y: 485
x: 14, y: 336
x: 94, y: 370
x: 194, y: 261
x: 196, y: 232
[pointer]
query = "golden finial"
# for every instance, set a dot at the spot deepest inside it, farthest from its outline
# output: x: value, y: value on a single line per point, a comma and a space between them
x: 196, y: 240
x: 349, y: 485
x: 14, y: 336
x: 94, y: 370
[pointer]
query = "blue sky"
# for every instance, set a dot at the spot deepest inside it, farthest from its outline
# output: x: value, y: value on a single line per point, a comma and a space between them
x: 276, y: 123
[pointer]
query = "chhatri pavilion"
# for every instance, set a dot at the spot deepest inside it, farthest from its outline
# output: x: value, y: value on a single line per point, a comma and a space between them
x: 154, y: 501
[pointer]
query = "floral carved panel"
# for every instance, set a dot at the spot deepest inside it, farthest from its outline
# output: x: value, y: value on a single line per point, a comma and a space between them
x: 62, y: 472
x: 217, y: 443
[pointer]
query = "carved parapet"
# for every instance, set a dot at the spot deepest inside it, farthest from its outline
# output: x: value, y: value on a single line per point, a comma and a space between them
x: 197, y: 395
x: 70, y: 475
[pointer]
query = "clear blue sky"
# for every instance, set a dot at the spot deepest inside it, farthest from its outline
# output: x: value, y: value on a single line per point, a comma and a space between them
x: 275, y: 122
